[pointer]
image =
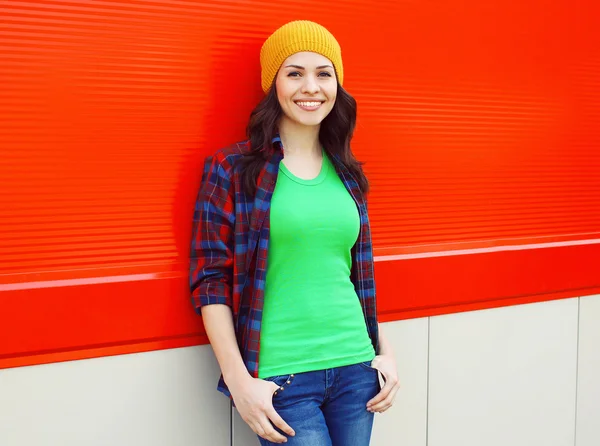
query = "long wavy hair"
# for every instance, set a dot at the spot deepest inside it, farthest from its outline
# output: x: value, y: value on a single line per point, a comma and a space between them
x: 335, y: 134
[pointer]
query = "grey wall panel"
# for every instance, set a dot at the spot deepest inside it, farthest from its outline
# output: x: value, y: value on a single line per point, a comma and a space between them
x: 406, y: 422
x: 505, y: 376
x: 159, y: 398
x: 588, y: 382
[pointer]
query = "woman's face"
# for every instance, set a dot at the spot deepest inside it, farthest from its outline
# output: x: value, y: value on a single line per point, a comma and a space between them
x: 306, y: 88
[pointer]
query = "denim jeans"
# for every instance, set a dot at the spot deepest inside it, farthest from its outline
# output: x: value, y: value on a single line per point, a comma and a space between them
x: 327, y: 407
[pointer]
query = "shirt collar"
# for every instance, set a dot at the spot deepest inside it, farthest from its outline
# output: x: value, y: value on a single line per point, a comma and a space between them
x: 276, y: 142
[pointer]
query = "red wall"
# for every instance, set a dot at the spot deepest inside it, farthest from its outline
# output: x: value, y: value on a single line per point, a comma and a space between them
x: 478, y: 122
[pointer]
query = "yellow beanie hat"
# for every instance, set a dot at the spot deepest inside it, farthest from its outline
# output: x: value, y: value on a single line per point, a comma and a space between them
x: 294, y: 37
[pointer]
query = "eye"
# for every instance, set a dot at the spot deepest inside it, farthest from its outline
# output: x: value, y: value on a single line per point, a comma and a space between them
x: 325, y: 73
x: 294, y: 74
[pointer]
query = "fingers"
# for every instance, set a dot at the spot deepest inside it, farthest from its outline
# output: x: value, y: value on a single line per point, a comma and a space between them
x: 264, y: 429
x: 261, y: 425
x: 385, y: 398
x: 256, y: 428
x: 387, y: 402
x: 269, y: 431
x: 383, y: 393
x: 256, y: 409
x: 278, y: 421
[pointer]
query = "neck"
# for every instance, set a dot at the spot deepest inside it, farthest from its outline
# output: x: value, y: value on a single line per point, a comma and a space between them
x: 299, y: 139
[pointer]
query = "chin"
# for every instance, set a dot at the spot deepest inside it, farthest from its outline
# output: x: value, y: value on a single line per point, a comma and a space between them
x: 309, y: 122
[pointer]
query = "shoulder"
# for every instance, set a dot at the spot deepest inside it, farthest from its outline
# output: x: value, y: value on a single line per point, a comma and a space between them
x: 220, y: 167
x: 228, y: 156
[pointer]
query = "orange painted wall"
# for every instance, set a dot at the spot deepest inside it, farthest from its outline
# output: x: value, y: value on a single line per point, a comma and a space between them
x: 478, y: 122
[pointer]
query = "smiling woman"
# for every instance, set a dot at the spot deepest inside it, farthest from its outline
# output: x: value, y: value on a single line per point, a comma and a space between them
x: 480, y: 138
x: 282, y: 240
x: 306, y: 89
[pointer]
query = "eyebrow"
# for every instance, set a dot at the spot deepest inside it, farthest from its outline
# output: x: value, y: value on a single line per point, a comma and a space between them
x: 302, y: 68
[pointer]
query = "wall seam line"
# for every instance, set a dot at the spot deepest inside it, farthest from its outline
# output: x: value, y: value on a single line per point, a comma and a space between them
x: 577, y: 368
x: 427, y: 398
x: 231, y: 423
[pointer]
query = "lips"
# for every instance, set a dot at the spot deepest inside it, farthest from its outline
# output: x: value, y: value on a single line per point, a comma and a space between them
x: 309, y: 105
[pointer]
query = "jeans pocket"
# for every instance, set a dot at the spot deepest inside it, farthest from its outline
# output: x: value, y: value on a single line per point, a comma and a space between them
x: 367, y: 365
x: 282, y: 381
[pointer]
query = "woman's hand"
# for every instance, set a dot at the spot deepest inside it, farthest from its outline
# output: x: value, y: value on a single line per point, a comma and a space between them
x: 386, y: 365
x: 254, y: 401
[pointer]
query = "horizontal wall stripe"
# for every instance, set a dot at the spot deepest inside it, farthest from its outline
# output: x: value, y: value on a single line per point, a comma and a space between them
x: 78, y: 282
x: 460, y: 252
x: 381, y: 258
x: 71, y: 322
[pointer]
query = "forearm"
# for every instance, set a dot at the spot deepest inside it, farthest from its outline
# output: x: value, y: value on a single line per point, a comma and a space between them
x: 218, y: 323
x: 385, y: 348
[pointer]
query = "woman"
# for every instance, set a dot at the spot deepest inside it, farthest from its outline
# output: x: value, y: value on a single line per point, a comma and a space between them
x: 282, y: 238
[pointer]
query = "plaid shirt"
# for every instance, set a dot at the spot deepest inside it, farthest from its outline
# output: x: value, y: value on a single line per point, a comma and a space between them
x: 230, y: 241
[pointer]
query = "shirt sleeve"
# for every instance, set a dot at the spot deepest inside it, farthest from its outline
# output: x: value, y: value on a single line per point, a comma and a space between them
x: 211, y: 255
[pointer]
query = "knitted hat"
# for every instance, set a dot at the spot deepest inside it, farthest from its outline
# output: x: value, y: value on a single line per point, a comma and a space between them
x: 293, y: 37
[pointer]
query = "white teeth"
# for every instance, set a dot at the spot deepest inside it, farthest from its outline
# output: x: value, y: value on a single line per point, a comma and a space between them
x: 309, y: 104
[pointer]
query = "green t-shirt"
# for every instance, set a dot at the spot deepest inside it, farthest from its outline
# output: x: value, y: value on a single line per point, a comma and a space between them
x: 312, y: 317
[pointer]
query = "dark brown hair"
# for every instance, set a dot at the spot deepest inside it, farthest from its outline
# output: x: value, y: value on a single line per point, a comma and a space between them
x: 335, y: 134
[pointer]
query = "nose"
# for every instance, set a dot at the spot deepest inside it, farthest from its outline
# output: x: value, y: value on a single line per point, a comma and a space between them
x: 310, y: 85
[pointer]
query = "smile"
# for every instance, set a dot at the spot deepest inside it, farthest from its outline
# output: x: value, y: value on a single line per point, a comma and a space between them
x: 309, y: 105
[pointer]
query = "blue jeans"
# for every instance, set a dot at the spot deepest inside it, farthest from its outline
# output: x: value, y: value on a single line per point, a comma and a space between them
x: 327, y: 407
